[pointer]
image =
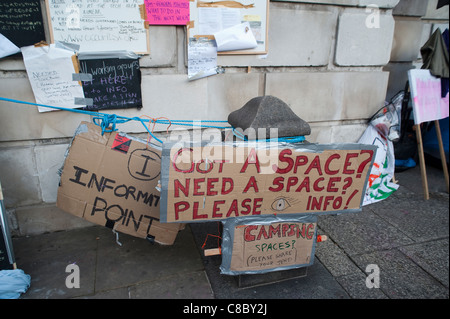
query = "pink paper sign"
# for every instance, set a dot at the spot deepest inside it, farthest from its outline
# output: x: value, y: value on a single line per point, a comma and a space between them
x: 428, y: 105
x: 167, y: 12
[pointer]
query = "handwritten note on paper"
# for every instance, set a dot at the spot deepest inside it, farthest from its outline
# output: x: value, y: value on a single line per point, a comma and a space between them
x: 428, y: 105
x: 100, y: 25
x: 168, y: 12
x: 202, y: 59
x: 50, y: 70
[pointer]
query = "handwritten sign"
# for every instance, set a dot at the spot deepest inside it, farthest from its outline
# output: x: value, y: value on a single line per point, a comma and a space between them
x: 21, y: 21
x: 115, y: 82
x: 428, y: 105
x: 167, y: 12
x: 100, y: 25
x: 221, y: 181
x: 111, y: 180
x: 50, y: 70
x: 273, y: 244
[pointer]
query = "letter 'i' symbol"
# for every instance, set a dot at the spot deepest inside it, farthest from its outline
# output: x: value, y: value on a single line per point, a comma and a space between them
x: 373, y: 279
x: 73, y: 280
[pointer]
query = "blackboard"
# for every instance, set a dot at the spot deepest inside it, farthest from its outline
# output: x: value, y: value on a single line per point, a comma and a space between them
x: 115, y: 82
x: 21, y: 21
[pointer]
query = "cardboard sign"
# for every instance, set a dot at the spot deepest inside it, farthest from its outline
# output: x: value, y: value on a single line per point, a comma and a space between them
x: 111, y: 180
x: 226, y: 180
x: 273, y: 244
x: 169, y: 12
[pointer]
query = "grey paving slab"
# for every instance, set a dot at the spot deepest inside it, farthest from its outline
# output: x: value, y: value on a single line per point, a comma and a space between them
x: 401, y: 278
x: 46, y: 257
x: 419, y: 219
x: 137, y: 260
x: 192, y: 285
x: 355, y: 285
x: 432, y: 256
x: 317, y: 284
x: 363, y: 232
x: 334, y: 258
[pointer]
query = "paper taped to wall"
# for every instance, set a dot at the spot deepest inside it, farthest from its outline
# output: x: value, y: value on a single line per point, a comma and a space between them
x: 238, y: 37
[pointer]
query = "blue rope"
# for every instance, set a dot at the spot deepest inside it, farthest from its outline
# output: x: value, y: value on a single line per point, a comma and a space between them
x: 105, y: 121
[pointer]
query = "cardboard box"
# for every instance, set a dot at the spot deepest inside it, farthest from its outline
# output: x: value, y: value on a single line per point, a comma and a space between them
x: 111, y: 180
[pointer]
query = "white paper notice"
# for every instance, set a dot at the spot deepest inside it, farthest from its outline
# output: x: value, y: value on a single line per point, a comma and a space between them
x: 50, y: 72
x: 212, y: 20
x: 202, y: 59
x: 7, y: 47
x: 238, y: 37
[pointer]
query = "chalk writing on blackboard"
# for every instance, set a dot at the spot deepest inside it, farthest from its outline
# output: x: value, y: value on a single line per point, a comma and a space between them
x: 21, y: 21
x: 116, y: 83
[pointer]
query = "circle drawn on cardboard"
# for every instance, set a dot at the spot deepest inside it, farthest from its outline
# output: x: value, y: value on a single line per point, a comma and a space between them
x: 140, y: 162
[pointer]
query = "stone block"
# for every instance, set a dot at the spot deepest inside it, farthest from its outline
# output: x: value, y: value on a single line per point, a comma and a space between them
x: 49, y: 159
x: 163, y: 47
x: 25, y: 122
x: 362, y: 41
x: 329, y: 96
x: 176, y: 98
x: 304, y: 41
x: 39, y: 219
x: 19, y: 178
x: 407, y: 40
x: 415, y: 8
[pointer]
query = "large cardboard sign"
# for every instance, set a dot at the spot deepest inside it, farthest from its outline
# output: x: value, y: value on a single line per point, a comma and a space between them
x: 111, y: 180
x: 259, y: 245
x: 224, y: 180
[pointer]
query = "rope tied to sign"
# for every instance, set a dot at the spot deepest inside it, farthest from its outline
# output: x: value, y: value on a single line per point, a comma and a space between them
x: 108, y: 122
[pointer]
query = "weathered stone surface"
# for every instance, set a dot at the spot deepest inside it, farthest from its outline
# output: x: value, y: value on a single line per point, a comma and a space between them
x: 269, y: 112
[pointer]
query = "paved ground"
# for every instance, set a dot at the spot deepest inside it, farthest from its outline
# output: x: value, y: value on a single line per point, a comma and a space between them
x: 404, y: 235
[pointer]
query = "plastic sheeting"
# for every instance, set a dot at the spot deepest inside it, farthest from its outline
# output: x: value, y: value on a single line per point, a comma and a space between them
x: 13, y: 283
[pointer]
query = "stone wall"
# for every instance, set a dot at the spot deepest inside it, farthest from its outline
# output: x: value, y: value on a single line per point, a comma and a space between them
x: 329, y: 60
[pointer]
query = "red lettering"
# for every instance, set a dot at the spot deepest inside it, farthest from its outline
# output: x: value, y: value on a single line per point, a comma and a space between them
x: 208, y: 166
x: 216, y: 209
x: 179, y: 209
x: 304, y: 184
x: 257, y: 202
x: 247, y: 233
x: 291, y: 182
x: 253, y: 161
x: 251, y: 183
x: 246, y: 206
x: 226, y: 181
x: 174, y: 161
x: 300, y: 161
x: 310, y: 234
x: 279, y: 182
x: 233, y: 209
x: 177, y: 185
x: 195, y: 214
x: 315, y: 164
x: 327, y: 164
x: 282, y: 158
x: 331, y: 183
x: 347, y: 163
x: 316, y: 186
x: 197, y: 187
x: 210, y: 186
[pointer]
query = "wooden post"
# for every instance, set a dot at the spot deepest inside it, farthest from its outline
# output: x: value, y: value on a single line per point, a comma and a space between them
x: 441, y: 151
x: 422, y: 162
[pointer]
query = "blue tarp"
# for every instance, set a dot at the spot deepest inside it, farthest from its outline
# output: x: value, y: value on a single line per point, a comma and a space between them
x: 13, y: 283
x: 430, y: 143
